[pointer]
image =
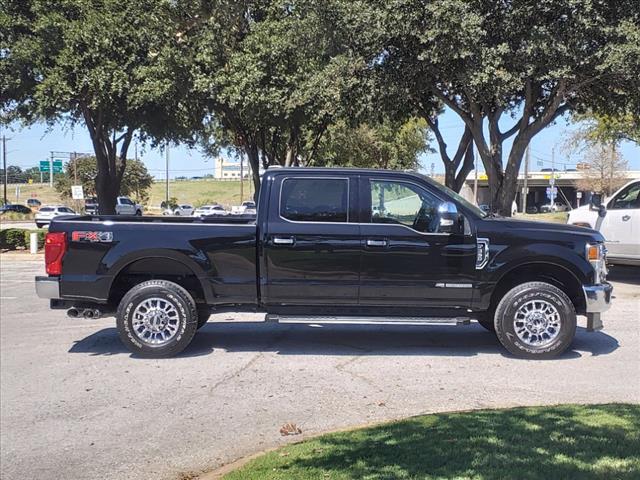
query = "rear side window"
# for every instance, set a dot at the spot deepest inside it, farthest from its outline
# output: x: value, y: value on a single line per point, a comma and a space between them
x: 46, y: 209
x: 315, y: 199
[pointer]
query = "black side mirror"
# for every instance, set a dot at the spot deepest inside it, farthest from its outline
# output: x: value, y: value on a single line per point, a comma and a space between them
x: 450, y: 220
x: 596, y: 204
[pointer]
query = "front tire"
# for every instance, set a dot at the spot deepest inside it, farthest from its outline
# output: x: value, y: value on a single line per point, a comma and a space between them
x: 535, y: 320
x: 157, y: 319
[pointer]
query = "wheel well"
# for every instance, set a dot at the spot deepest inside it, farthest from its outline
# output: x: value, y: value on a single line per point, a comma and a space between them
x: 155, y: 269
x: 541, y: 272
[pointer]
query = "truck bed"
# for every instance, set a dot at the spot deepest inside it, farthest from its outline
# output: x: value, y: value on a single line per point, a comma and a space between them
x: 218, y: 252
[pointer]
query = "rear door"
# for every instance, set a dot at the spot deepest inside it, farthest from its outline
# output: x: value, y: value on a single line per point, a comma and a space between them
x: 312, y: 246
x: 407, y: 261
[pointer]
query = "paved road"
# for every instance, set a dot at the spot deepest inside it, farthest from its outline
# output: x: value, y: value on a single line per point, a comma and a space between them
x: 75, y: 404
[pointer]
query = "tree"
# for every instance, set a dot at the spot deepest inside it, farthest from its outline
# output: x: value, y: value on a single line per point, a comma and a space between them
x: 270, y: 77
x: 605, y: 170
x: 101, y: 63
x: 605, y: 128
x: 136, y: 180
x: 529, y: 61
x: 389, y: 145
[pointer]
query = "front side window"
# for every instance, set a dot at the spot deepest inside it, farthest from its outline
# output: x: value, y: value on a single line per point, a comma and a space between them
x: 628, y: 198
x: 315, y: 199
x: 404, y: 204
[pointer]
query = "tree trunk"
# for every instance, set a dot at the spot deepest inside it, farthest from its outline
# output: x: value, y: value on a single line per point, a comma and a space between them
x: 253, y: 155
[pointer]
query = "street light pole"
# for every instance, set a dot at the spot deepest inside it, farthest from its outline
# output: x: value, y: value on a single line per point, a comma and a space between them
x: 167, y: 176
x: 241, y: 178
x: 4, y: 164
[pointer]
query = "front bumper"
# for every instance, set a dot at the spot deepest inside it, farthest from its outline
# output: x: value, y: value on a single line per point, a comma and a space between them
x: 48, y: 287
x: 597, y: 300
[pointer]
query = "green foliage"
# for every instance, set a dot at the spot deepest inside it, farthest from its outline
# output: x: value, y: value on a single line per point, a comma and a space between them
x: 15, y: 174
x: 136, y: 180
x: 108, y: 64
x: 565, y: 441
x: 605, y: 128
x: 18, y: 238
x: 14, y: 238
x: 392, y: 145
x: 172, y: 203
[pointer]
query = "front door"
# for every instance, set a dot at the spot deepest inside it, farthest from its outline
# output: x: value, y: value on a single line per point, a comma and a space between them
x: 623, y: 216
x: 312, y: 247
x: 407, y: 260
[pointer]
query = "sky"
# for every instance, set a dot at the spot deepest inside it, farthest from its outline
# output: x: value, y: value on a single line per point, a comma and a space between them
x: 27, y: 146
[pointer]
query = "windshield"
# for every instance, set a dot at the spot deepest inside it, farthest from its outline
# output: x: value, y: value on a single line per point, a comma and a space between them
x: 457, y: 197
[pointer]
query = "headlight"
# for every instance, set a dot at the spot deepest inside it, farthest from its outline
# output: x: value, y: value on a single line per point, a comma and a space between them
x: 596, y: 254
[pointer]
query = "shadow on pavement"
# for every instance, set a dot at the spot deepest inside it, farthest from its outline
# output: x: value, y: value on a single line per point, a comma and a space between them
x: 464, y: 341
x: 624, y: 274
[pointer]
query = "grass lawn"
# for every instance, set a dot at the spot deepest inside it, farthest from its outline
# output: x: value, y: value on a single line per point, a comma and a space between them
x: 555, y: 217
x: 226, y: 193
x: 561, y: 442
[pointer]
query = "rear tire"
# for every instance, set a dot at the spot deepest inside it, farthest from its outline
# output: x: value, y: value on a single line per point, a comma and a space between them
x: 157, y: 319
x: 535, y: 320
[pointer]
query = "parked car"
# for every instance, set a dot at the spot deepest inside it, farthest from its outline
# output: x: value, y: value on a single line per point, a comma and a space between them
x: 183, y: 210
x: 14, y: 207
x: 49, y: 212
x: 210, y: 210
x: 532, y: 209
x: 556, y: 207
x: 124, y: 206
x: 91, y: 206
x: 317, y: 254
x: 33, y: 203
x: 485, y: 208
x: 246, y: 208
x: 617, y: 218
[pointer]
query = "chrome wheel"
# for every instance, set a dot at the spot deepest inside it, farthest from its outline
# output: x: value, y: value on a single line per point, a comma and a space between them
x: 156, y: 321
x: 537, y: 323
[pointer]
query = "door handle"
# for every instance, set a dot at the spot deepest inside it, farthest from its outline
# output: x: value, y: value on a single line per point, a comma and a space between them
x: 626, y: 218
x: 376, y: 243
x: 283, y: 240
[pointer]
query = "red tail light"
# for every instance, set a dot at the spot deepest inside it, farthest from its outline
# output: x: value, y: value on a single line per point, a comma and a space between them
x: 55, y: 246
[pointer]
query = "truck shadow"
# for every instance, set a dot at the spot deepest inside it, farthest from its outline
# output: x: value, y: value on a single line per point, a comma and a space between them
x: 624, y: 274
x: 463, y: 341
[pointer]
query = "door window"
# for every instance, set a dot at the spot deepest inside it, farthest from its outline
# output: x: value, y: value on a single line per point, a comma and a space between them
x: 399, y: 203
x: 315, y: 200
x: 628, y: 198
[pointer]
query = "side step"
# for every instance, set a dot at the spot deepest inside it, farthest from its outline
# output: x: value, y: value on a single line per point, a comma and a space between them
x: 358, y: 320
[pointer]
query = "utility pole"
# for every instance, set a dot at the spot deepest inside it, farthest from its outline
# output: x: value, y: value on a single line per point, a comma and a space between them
x: 552, y: 181
x: 241, y: 178
x: 51, y: 170
x: 525, y: 190
x: 4, y: 164
x: 167, y: 175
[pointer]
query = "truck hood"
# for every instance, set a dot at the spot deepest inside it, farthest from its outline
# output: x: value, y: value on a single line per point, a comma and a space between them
x: 537, y: 230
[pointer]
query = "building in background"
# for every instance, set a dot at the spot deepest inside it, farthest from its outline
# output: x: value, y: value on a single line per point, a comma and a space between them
x: 230, y: 169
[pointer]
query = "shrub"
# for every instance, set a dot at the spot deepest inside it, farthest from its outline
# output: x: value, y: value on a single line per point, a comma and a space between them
x: 13, y: 238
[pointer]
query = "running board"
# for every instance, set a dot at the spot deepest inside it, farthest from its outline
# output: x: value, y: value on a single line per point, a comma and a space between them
x: 359, y: 320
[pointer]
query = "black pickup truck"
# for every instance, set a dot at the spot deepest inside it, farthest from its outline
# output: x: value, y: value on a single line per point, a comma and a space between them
x: 332, y: 246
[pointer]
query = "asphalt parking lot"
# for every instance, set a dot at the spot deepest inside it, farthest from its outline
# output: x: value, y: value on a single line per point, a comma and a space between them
x: 74, y: 403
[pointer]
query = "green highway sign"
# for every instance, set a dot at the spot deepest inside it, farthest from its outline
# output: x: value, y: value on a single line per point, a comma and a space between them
x: 46, y: 164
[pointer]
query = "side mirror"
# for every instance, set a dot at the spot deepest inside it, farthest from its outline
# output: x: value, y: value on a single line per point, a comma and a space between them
x: 450, y: 219
x: 596, y: 204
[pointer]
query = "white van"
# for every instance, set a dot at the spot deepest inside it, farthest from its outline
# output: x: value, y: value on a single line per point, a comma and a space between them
x: 618, y: 219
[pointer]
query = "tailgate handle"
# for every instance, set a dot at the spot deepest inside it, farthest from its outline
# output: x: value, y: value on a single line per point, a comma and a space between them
x: 626, y: 218
x: 283, y: 240
x: 376, y: 243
